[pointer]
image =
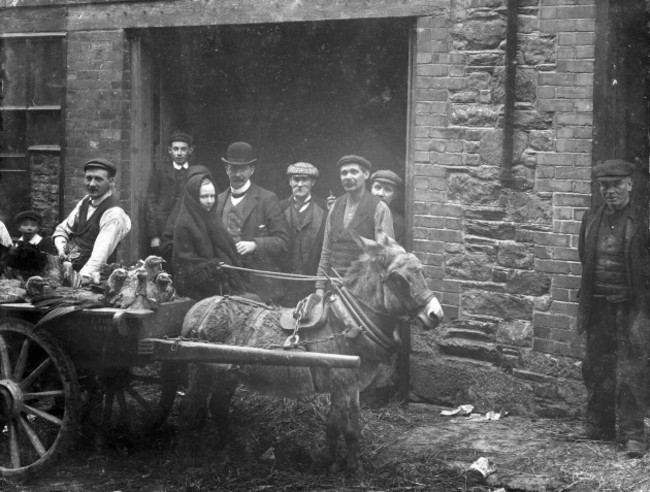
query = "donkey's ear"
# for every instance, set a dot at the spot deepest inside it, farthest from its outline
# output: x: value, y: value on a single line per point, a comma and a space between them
x: 368, y: 246
x: 384, y: 239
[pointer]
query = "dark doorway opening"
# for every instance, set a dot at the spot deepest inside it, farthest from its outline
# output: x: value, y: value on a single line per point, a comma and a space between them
x: 296, y: 91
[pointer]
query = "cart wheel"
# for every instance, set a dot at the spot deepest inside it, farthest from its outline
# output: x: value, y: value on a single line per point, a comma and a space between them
x: 39, y: 398
x: 138, y: 399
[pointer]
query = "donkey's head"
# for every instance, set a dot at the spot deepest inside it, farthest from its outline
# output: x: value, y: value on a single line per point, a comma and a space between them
x: 392, y: 280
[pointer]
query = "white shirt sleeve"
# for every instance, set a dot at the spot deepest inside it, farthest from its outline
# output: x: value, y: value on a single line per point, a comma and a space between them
x: 113, y: 227
x: 5, y: 238
x: 64, y: 229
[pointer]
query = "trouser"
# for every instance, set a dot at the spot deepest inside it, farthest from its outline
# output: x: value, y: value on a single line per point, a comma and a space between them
x: 615, y: 370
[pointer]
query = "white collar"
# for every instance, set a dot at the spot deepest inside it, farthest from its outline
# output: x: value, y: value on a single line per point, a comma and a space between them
x: 243, y: 189
x: 98, y: 201
x: 34, y: 240
x: 178, y: 167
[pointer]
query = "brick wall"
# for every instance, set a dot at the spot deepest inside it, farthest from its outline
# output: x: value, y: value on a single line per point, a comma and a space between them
x: 97, y: 102
x: 505, y: 256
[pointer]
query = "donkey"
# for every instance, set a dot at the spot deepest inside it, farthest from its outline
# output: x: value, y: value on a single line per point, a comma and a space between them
x: 386, y: 287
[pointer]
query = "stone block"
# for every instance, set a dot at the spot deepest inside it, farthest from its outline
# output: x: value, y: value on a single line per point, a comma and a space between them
x: 491, y: 146
x: 536, y: 49
x: 471, y: 349
x: 499, y: 305
x: 529, y: 208
x: 533, y: 120
x: 528, y: 283
x: 474, y: 115
x: 515, y: 332
x: 468, y: 267
x: 511, y: 254
x: 479, y: 34
x: 525, y: 85
x: 543, y: 140
x: 485, y: 214
x: 488, y: 229
x: 468, y: 190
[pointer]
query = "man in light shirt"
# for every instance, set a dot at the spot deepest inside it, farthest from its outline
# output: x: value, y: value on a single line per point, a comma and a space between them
x: 89, y: 236
x: 357, y: 210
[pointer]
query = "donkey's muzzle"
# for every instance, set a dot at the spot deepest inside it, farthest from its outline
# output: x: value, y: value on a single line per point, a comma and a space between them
x: 431, y: 316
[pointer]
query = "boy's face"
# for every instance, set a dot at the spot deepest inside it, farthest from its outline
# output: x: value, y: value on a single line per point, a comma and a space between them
x: 180, y: 151
x: 28, y: 227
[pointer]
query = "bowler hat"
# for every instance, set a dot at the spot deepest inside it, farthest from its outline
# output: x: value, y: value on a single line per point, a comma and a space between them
x: 386, y: 176
x: 613, y: 169
x: 239, y: 154
x: 28, y: 214
x: 179, y: 136
x: 100, y: 163
x: 302, y: 169
x: 354, y: 159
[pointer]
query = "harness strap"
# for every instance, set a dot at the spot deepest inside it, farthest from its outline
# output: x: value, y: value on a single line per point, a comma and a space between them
x: 372, y: 331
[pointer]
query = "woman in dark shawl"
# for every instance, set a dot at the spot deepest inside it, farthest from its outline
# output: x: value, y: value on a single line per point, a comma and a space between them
x: 202, y: 243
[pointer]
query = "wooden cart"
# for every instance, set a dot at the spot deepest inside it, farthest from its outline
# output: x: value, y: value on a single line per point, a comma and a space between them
x: 106, y: 366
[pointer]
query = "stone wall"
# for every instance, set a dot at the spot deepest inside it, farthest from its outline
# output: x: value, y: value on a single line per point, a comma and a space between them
x: 503, y: 256
x: 45, y: 172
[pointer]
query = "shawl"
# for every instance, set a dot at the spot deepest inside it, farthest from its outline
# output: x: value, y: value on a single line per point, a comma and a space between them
x: 201, y: 242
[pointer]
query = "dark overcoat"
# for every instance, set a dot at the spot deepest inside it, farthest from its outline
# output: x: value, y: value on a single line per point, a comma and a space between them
x: 264, y: 223
x: 637, y: 262
x: 306, y: 238
x: 163, y: 198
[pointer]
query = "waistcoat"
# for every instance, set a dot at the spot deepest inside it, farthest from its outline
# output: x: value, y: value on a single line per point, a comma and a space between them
x: 85, y: 230
x: 344, y: 249
x: 233, y: 219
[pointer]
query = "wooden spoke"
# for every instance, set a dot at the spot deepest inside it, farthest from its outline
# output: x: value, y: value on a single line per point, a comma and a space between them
x: 42, y: 389
x: 137, y: 397
x: 43, y: 415
x: 36, y: 442
x: 27, y: 382
x: 43, y: 394
x: 13, y: 444
x: 22, y: 360
x: 5, y: 363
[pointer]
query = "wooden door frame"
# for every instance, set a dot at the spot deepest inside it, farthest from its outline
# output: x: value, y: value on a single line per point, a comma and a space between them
x: 141, y: 150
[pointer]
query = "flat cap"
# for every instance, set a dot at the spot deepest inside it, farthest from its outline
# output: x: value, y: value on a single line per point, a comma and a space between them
x: 613, y: 169
x: 354, y: 159
x: 387, y: 176
x: 179, y: 136
x: 28, y: 214
x: 302, y: 169
x: 102, y: 164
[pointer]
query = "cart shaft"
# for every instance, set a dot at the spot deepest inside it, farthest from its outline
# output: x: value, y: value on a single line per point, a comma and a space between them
x: 186, y: 351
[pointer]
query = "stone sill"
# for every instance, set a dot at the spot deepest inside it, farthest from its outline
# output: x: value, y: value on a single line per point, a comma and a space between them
x: 44, y: 148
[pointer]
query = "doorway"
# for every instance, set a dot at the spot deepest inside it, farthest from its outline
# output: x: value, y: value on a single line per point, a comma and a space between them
x: 296, y: 91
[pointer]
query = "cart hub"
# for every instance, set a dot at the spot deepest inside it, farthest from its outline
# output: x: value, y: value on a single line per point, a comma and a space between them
x: 11, y: 400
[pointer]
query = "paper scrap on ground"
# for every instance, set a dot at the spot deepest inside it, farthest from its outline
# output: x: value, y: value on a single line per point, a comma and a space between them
x: 461, y: 410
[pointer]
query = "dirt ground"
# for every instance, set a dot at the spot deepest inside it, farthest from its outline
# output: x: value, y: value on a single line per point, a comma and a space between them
x: 277, y: 443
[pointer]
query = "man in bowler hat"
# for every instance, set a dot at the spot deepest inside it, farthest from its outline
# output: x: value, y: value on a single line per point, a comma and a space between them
x: 613, y: 310
x: 254, y: 219
x: 164, y: 194
x: 89, y: 236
